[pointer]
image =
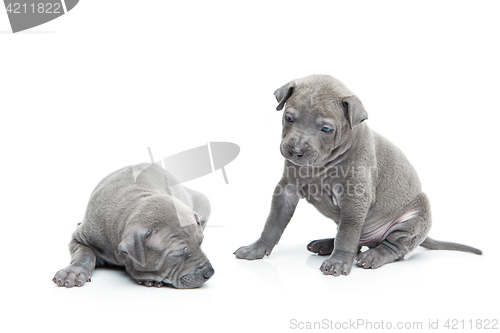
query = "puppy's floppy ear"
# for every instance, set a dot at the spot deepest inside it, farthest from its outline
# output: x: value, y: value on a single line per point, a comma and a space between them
x: 283, y: 94
x: 354, y: 111
x: 133, y: 245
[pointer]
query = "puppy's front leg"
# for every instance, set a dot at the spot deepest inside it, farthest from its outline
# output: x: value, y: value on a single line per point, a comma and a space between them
x: 83, y: 261
x: 352, y: 218
x: 283, y: 206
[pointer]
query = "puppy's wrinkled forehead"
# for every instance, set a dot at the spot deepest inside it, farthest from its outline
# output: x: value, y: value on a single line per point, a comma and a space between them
x: 317, y: 92
x: 326, y: 83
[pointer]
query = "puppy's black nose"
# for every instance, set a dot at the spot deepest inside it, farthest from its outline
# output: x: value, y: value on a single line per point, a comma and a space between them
x: 207, y: 274
x: 296, y: 152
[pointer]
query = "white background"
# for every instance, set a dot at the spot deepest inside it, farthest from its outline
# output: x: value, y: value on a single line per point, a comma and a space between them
x: 85, y: 94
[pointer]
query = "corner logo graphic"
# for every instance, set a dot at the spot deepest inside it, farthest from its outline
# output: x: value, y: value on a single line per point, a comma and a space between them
x: 26, y: 14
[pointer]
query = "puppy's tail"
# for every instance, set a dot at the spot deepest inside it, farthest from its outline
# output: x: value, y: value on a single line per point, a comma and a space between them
x: 432, y: 244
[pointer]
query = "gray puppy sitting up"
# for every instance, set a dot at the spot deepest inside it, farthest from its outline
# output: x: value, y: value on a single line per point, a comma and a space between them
x: 352, y: 175
x: 141, y: 218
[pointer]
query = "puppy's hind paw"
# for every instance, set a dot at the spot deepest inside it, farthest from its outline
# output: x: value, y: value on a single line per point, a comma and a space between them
x: 376, y: 257
x: 367, y: 260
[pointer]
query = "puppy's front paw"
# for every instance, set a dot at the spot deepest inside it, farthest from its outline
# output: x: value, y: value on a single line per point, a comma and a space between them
x: 253, y: 251
x: 322, y: 247
x: 339, y: 263
x: 71, y: 276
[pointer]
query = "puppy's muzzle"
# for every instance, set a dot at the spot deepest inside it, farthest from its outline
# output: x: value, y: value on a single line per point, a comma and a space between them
x: 300, y: 154
x: 197, y: 279
x: 295, y: 152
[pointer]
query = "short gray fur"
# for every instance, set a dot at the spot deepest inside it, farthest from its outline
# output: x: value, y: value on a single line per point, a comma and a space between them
x: 385, y: 208
x: 148, y: 225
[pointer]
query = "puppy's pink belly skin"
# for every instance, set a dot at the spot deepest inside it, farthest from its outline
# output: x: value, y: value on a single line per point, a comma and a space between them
x: 374, y: 233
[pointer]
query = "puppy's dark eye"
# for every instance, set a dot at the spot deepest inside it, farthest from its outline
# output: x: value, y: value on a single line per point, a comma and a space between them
x: 181, y: 253
x: 326, y: 129
x: 289, y: 119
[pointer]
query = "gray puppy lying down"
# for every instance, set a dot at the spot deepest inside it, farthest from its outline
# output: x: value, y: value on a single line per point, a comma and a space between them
x: 352, y: 175
x: 148, y: 223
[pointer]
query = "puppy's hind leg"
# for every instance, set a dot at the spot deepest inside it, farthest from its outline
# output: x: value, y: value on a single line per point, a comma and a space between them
x: 404, y: 238
x: 83, y: 262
